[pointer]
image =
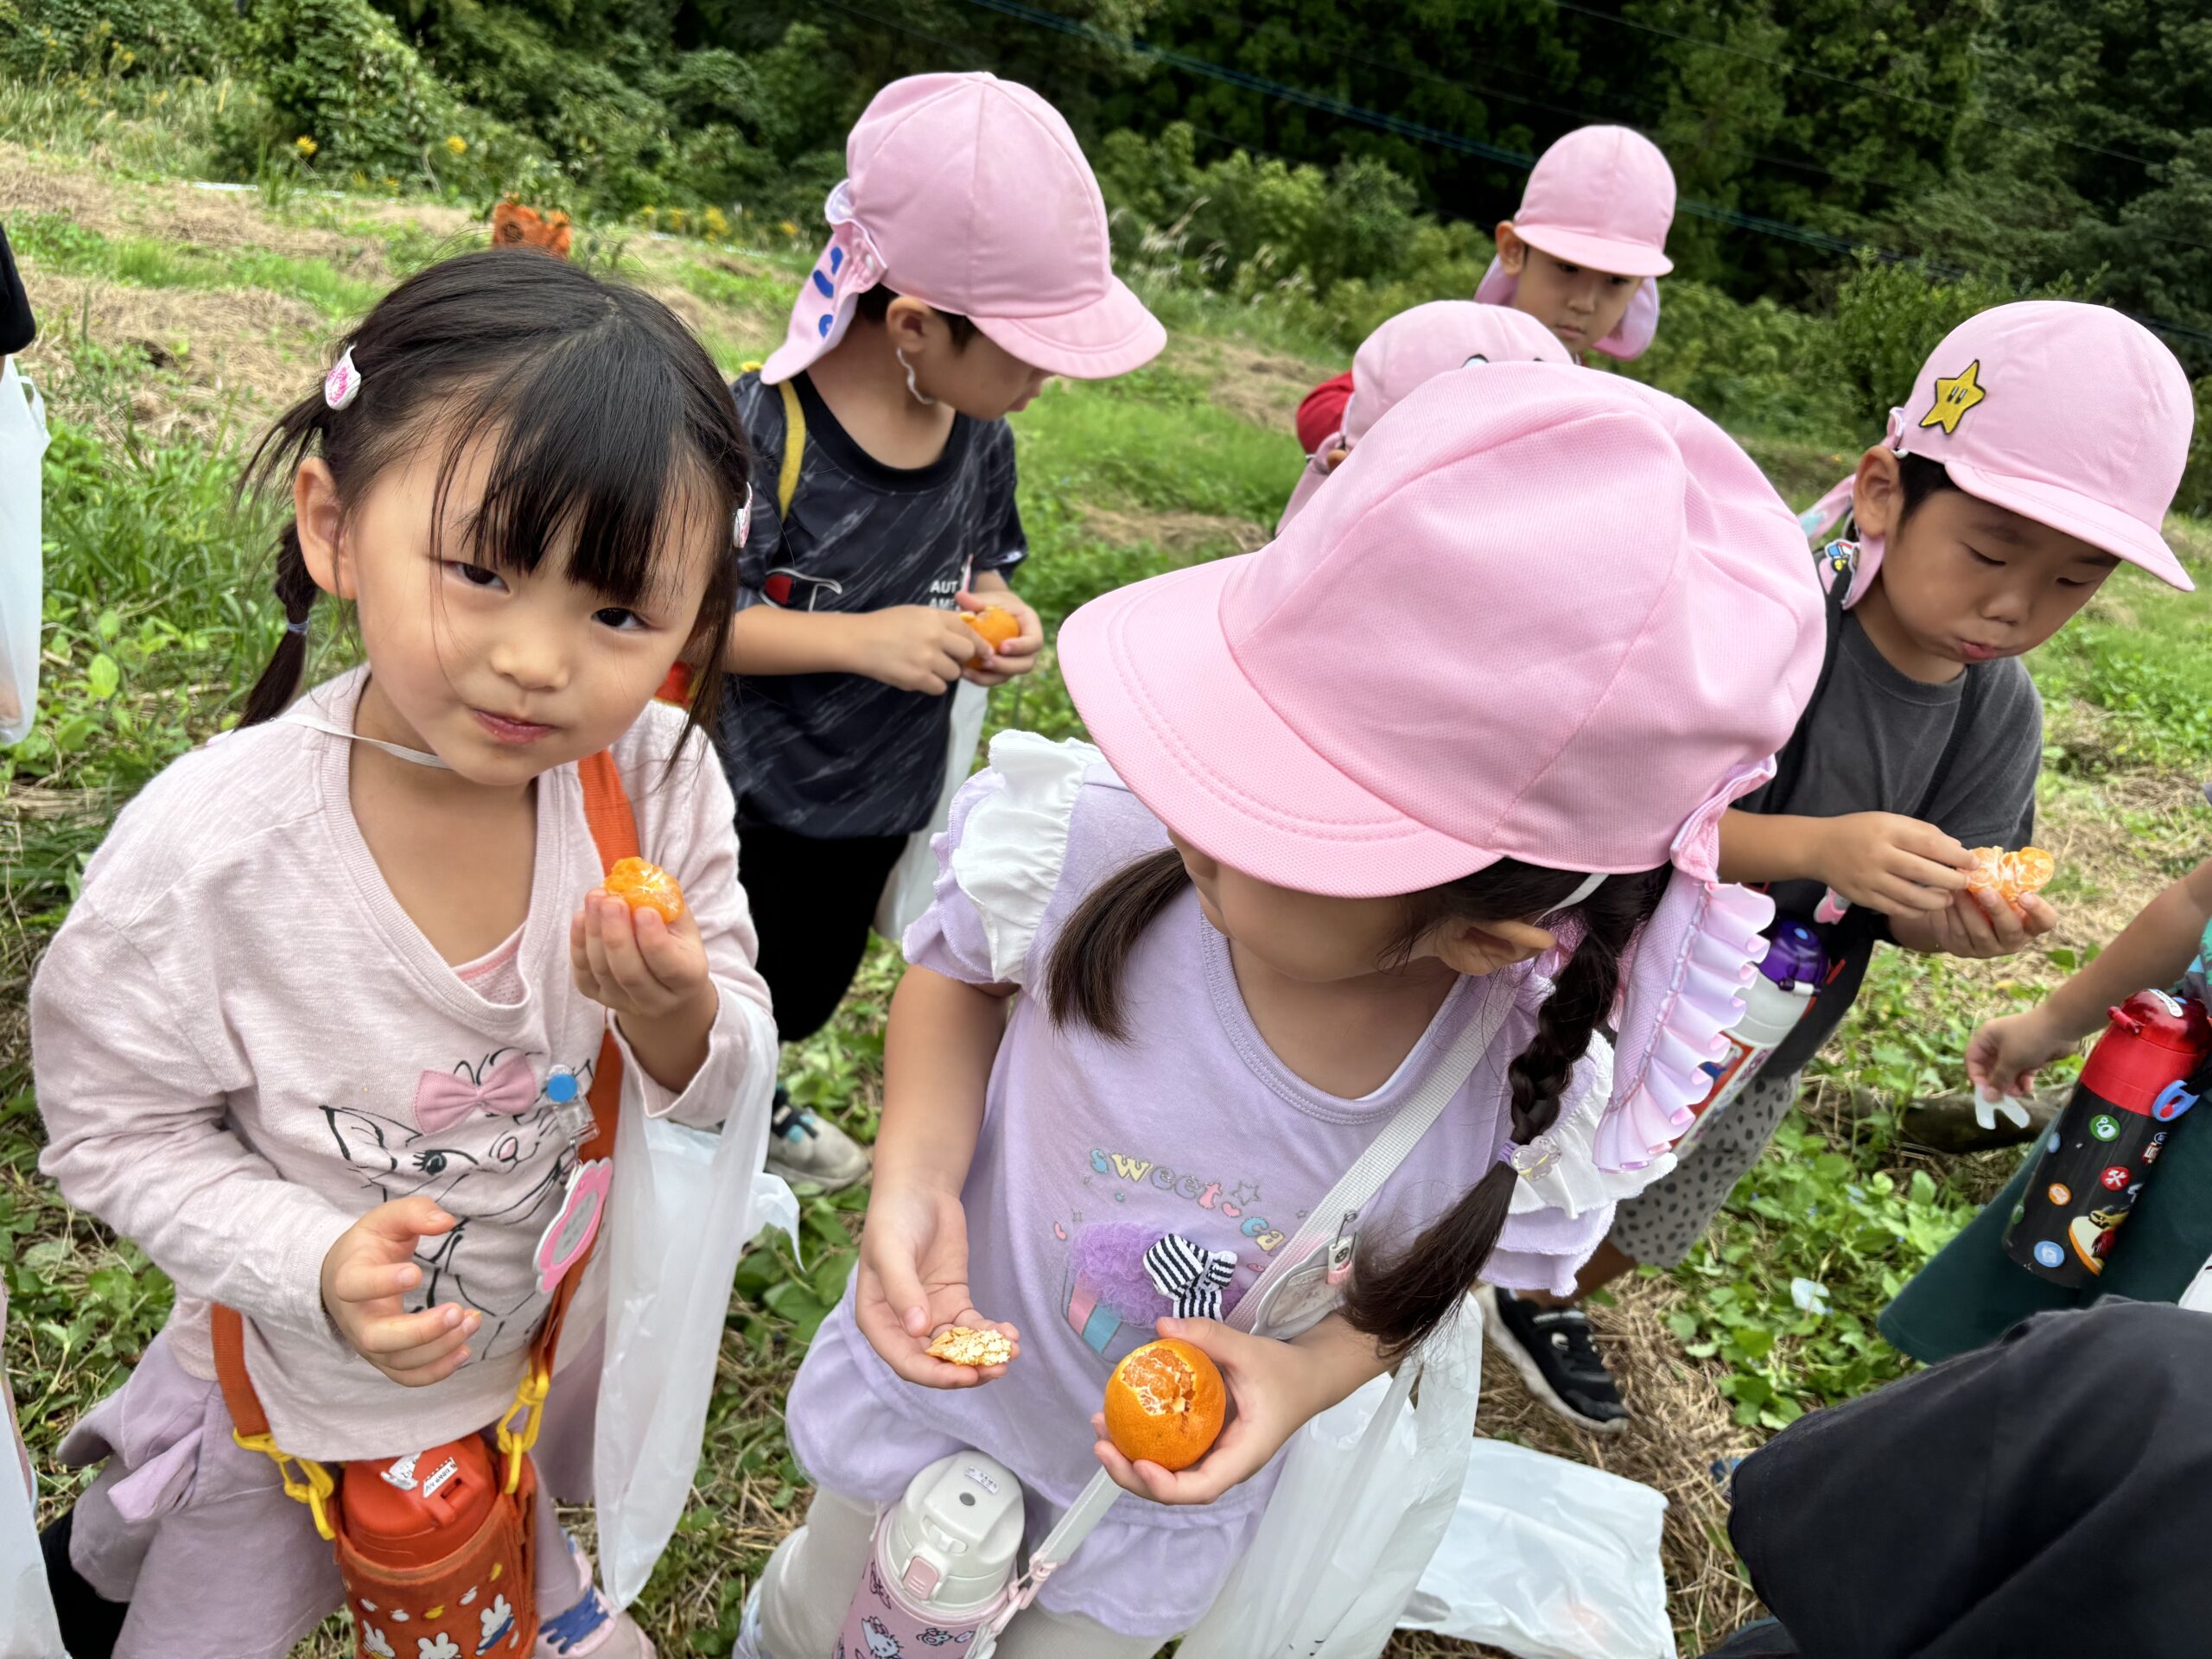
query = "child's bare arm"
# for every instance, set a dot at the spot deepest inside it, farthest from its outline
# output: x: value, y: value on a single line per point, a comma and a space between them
x: 2153, y: 950
x: 1882, y: 860
x: 913, y: 647
x: 938, y: 1054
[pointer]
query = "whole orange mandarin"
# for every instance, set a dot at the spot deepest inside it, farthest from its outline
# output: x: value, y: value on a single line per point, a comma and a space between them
x: 1165, y: 1404
x: 995, y: 623
x: 645, y: 886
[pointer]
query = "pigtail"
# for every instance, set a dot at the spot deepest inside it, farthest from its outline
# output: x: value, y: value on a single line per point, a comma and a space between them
x: 298, y: 432
x: 296, y: 590
x: 1402, y: 1300
x: 1082, y: 978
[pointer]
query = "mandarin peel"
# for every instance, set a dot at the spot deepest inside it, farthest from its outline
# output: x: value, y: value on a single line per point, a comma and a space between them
x: 645, y: 886
x: 1165, y: 1404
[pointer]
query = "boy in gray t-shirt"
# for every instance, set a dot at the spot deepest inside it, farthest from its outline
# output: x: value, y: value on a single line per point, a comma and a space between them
x: 1922, y: 741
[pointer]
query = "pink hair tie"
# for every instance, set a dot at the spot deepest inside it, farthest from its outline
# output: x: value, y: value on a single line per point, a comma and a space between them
x: 343, y: 383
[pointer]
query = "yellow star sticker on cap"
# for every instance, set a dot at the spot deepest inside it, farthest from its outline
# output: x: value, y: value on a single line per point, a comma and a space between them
x: 1954, y: 396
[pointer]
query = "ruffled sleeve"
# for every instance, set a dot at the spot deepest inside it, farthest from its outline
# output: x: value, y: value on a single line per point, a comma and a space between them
x: 999, y: 860
x: 1575, y: 1184
x: 1692, y: 961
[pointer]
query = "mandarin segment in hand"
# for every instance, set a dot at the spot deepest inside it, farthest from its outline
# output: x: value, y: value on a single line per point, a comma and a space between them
x: 1165, y: 1404
x: 961, y: 1346
x: 2012, y: 876
x: 645, y: 886
x: 995, y: 623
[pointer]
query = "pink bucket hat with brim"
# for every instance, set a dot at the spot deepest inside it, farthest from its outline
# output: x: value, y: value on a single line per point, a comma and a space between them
x: 2071, y: 415
x: 969, y: 193
x: 1567, y: 621
x: 1602, y: 197
x: 1411, y: 349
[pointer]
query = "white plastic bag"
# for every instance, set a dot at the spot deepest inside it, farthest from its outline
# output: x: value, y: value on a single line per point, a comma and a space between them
x: 1366, y: 1493
x: 27, y: 1627
x: 22, y: 445
x: 908, y: 893
x: 684, y: 1204
x: 1548, y: 1560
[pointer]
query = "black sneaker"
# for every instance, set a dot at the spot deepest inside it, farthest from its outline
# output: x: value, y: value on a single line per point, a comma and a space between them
x: 1550, y: 1350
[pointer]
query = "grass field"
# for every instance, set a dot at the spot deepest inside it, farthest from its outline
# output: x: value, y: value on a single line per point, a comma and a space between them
x: 176, y: 319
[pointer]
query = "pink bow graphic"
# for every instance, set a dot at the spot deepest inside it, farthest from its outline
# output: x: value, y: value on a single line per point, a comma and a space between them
x: 444, y: 1098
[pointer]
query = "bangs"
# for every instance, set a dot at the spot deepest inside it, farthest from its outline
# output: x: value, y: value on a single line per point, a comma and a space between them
x: 611, y: 474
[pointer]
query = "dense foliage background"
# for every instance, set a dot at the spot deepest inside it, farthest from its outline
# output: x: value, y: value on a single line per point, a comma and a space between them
x: 1352, y: 153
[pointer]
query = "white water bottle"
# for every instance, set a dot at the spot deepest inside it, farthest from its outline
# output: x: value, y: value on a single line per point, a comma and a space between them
x: 941, y: 1568
x: 1774, y: 1003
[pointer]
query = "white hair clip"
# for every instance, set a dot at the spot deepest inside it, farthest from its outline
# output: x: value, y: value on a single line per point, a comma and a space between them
x: 745, y: 519
x: 343, y: 383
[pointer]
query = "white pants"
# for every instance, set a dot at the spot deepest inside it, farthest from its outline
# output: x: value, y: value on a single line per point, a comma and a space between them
x: 809, y: 1581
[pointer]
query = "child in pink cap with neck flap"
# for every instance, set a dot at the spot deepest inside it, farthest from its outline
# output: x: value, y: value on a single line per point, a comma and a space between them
x: 968, y: 264
x: 1411, y: 349
x: 2039, y: 450
x: 1583, y: 256
x: 1314, y: 892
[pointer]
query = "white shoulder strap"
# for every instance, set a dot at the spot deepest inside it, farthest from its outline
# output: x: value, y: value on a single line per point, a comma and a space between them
x: 1360, y: 1184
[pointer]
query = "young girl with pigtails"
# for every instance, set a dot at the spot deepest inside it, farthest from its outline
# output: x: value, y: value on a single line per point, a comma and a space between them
x: 340, y: 1026
x: 1326, y: 864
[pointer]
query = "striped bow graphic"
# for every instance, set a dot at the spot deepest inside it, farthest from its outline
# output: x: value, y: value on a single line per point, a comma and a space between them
x: 1190, y: 1275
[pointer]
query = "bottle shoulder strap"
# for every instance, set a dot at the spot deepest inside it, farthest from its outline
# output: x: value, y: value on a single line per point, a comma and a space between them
x: 614, y: 832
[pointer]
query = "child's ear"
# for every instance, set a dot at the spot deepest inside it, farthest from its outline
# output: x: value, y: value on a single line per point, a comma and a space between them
x: 1475, y: 947
x: 908, y: 321
x: 320, y: 519
x: 1512, y: 251
x: 1877, y: 494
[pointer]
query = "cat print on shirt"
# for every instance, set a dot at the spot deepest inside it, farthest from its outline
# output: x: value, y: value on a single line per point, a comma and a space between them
x: 493, y: 1145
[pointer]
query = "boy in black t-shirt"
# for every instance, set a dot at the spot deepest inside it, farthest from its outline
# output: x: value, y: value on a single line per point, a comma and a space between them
x: 969, y: 265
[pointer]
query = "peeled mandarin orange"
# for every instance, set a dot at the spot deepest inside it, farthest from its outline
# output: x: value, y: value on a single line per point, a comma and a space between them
x: 2013, y: 876
x: 1165, y: 1404
x: 995, y: 623
x: 645, y: 886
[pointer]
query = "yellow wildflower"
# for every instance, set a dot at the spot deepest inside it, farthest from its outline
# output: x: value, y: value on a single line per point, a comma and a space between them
x: 716, y: 224
x: 305, y: 146
x: 457, y: 144
x: 788, y: 228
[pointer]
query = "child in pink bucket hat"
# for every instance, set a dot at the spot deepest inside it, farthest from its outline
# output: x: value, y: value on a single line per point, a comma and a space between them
x: 2040, y: 447
x: 969, y: 261
x: 1408, y: 351
x: 1372, y: 823
x: 1582, y: 256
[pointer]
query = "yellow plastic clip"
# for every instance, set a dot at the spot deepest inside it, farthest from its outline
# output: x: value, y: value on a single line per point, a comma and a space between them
x: 312, y: 1486
x: 530, y: 1401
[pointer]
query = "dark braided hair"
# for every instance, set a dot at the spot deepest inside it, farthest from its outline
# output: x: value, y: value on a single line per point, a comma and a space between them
x: 602, y: 416
x: 1399, y: 1300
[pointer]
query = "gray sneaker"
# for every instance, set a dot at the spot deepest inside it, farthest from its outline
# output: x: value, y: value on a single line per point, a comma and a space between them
x: 803, y: 1148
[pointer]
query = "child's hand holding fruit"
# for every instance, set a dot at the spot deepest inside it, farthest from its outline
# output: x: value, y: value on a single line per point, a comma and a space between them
x: 1007, y: 632
x: 635, y: 948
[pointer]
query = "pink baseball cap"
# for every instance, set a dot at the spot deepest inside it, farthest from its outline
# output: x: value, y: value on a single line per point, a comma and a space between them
x: 1567, y: 621
x: 969, y: 193
x: 2071, y: 415
x: 1411, y: 349
x: 1602, y: 197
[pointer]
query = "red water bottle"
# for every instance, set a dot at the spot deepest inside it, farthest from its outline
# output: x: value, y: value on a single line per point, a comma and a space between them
x: 2133, y: 1090
x: 416, y: 1511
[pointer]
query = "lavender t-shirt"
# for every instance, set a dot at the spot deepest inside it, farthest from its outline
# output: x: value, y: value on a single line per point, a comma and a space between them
x: 1092, y: 1151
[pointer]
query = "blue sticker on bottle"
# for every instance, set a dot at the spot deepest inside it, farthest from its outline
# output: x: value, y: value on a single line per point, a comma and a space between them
x: 2049, y: 1253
